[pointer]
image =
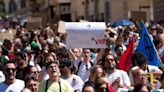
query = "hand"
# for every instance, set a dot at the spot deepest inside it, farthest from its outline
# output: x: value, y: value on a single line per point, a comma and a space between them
x: 116, y: 82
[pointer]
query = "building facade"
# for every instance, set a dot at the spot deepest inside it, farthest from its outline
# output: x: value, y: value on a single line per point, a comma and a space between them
x: 158, y: 10
x: 101, y: 10
x: 92, y: 10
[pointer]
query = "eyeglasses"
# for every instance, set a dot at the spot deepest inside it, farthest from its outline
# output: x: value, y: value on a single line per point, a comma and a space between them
x: 8, y: 69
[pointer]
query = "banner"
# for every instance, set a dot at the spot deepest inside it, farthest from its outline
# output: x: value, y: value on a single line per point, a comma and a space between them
x: 146, y: 46
x: 85, y: 35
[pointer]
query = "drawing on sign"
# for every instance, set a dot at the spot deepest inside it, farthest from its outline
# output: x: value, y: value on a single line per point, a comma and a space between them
x: 98, y: 41
x: 88, y: 25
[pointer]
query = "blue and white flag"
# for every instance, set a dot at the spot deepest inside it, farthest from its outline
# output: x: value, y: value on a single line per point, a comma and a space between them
x: 146, y: 46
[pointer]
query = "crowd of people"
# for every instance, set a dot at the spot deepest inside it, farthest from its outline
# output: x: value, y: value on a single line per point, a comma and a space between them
x: 37, y: 60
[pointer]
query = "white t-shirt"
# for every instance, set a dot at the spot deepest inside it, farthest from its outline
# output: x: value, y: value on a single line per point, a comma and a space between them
x: 15, y: 87
x: 2, y: 77
x: 76, y: 82
x: 44, y: 74
x: 124, y: 78
x: 84, y: 69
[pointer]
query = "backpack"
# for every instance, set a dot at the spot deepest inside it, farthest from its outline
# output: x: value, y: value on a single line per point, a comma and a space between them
x: 80, y: 64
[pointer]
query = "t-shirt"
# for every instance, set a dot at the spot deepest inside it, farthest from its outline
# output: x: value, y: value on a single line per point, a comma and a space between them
x: 55, y: 86
x: 76, y: 82
x: 2, y: 77
x: 124, y: 78
x: 15, y: 87
x: 84, y: 69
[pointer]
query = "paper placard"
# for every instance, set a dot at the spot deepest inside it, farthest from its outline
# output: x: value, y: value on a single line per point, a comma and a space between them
x: 85, y: 35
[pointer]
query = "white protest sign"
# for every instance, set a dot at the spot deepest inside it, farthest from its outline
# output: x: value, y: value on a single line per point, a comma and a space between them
x: 61, y: 27
x: 85, y: 35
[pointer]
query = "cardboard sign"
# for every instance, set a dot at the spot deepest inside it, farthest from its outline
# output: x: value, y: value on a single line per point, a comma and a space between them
x: 61, y: 27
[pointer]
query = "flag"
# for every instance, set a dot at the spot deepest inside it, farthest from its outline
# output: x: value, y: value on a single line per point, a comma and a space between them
x: 147, y: 47
x: 111, y: 89
x: 125, y: 60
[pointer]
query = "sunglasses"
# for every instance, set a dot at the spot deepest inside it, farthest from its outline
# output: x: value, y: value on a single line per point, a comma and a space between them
x: 10, y: 69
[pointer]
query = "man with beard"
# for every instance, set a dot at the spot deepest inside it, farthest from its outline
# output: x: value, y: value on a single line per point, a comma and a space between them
x: 118, y: 78
x: 11, y: 84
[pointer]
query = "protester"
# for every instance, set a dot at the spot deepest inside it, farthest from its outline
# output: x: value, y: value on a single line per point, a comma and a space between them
x: 67, y: 69
x: 78, y: 53
x: 103, y: 85
x: 11, y: 83
x: 50, y: 57
x: 141, y: 88
x: 89, y: 87
x: 140, y: 77
x: 96, y: 72
x: 141, y: 62
x: 118, y: 50
x: 32, y: 71
x: 54, y: 83
x: 118, y: 78
x: 32, y: 84
x: 85, y: 65
x: 21, y: 64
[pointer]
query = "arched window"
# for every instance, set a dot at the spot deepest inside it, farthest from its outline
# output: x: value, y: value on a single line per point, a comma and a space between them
x: 12, y: 6
x: 23, y: 3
